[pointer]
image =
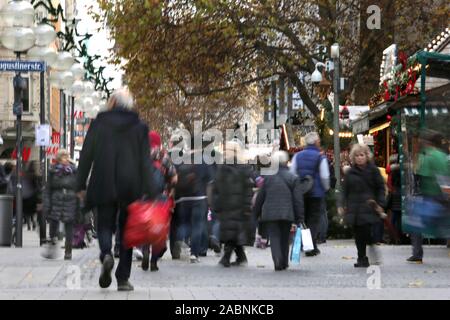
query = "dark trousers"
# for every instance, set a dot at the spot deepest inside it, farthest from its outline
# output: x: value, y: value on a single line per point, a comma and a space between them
x: 42, y: 225
x: 68, y: 229
x: 313, y: 216
x: 106, y: 226
x: 417, y: 245
x: 193, y: 221
x: 363, y: 238
x: 279, y: 232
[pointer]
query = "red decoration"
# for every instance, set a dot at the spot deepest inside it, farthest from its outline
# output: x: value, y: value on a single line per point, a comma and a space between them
x: 389, y: 117
x: 56, y: 137
x: 403, y: 59
x: 26, y: 153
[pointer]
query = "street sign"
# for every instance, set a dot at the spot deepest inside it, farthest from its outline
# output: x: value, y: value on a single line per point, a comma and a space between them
x: 21, y: 66
x: 42, y: 133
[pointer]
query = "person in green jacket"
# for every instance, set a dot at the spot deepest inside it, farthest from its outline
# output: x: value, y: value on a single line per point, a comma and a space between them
x: 433, y: 162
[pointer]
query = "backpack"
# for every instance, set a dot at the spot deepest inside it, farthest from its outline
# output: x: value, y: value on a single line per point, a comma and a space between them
x: 187, y: 181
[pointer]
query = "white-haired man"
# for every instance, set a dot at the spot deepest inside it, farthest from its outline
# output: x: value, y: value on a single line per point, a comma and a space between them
x: 116, y: 148
x: 311, y: 162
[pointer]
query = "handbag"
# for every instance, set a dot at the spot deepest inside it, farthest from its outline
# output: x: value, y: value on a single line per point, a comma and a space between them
x: 307, y: 241
x: 148, y: 222
x: 296, y: 247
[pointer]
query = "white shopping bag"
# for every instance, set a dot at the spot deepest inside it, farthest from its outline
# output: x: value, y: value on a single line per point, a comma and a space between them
x: 307, y: 242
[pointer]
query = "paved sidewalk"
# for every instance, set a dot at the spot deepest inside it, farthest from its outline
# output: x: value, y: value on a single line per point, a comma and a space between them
x: 24, y: 274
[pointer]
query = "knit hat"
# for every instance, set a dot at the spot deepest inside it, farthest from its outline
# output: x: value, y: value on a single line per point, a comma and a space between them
x: 154, y: 139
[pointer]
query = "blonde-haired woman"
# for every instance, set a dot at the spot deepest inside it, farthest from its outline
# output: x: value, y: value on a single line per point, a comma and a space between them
x: 363, y: 194
x: 60, y: 202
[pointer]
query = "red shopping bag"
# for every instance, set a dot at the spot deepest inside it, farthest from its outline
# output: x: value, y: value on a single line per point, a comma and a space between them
x: 148, y: 222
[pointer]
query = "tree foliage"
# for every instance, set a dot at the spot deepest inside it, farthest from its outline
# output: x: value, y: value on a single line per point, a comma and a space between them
x: 212, y: 50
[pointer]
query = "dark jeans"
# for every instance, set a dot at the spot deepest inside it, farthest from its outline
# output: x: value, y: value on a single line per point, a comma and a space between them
x: 193, y: 220
x: 313, y: 216
x: 363, y: 238
x: 417, y: 245
x: 106, y: 226
x: 323, y: 229
x: 68, y: 229
x: 396, y: 221
x: 279, y: 232
x: 42, y: 225
x: 378, y: 232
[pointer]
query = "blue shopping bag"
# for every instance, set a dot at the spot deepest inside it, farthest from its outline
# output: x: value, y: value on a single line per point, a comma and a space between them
x: 296, y: 247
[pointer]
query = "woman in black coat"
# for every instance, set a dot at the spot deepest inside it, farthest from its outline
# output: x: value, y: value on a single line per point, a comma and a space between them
x: 60, y: 202
x: 232, y: 198
x: 363, y: 194
x: 279, y: 204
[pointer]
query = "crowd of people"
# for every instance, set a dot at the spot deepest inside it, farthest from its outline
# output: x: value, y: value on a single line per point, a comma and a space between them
x: 223, y: 207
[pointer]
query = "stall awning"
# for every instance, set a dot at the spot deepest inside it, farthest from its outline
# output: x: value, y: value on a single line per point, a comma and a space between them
x: 415, y: 112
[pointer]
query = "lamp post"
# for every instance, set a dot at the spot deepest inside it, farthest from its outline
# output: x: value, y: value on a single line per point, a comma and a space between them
x: 316, y: 77
x: 18, y: 36
x: 337, y: 147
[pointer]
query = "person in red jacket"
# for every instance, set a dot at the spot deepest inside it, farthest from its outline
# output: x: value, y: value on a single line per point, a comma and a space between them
x: 162, y: 162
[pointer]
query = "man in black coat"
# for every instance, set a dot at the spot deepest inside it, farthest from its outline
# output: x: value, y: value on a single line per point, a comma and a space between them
x: 117, y: 149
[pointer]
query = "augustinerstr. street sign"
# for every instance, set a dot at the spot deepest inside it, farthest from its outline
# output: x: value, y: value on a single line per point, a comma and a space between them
x: 21, y: 66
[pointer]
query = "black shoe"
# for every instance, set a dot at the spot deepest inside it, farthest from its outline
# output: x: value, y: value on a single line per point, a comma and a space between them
x: 105, y: 277
x: 68, y: 256
x: 225, y: 262
x: 42, y: 242
x: 241, y: 258
x: 312, y: 253
x: 279, y: 268
x: 154, y: 266
x: 203, y: 254
x: 362, y: 263
x: 414, y: 260
x: 124, y: 286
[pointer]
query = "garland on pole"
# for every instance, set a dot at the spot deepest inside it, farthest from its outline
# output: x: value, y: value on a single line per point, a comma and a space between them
x: 68, y: 40
x: 402, y: 82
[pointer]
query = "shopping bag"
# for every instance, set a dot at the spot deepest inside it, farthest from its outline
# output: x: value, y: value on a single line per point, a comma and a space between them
x: 148, y: 222
x: 296, y: 247
x: 307, y: 241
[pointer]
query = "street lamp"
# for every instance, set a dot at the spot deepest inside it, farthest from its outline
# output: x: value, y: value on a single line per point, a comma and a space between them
x: 18, y: 18
x: 337, y: 147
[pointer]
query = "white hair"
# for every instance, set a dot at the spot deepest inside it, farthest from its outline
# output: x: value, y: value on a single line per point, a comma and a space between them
x: 311, y: 138
x: 121, y: 98
x: 282, y: 157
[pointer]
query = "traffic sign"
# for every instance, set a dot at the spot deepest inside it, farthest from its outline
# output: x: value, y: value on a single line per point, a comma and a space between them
x: 22, y: 66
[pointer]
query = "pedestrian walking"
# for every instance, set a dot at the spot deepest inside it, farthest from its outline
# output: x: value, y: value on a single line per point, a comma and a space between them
x: 30, y: 190
x: 279, y: 205
x: 363, y: 193
x: 192, y: 206
x: 432, y: 162
x: 60, y: 202
x: 232, y: 198
x: 162, y: 162
x: 116, y: 149
x: 311, y: 162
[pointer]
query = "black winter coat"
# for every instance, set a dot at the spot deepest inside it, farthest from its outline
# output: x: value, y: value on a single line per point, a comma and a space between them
x: 361, y: 185
x: 280, y: 198
x: 232, y: 199
x: 117, y: 149
x: 60, y: 202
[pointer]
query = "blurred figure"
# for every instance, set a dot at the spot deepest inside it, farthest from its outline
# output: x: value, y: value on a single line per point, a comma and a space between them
x: 30, y: 189
x: 192, y: 207
x: 3, y: 180
x: 311, y: 162
x: 233, y: 191
x: 162, y: 162
x: 433, y: 162
x: 116, y: 149
x: 394, y: 203
x: 279, y: 204
x: 363, y: 192
x: 60, y: 202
